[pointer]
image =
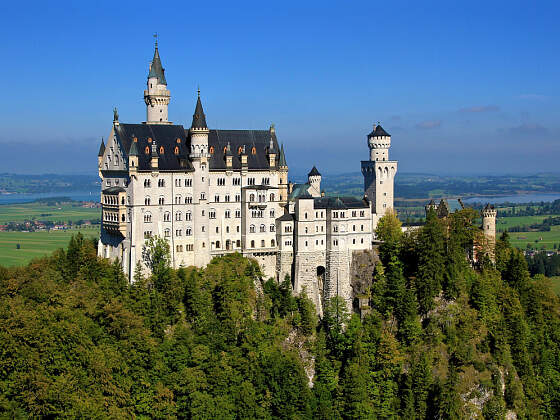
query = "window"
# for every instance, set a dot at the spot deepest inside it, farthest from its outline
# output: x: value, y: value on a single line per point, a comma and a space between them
x: 161, y: 183
x: 147, y: 201
x: 237, y: 198
x: 272, y: 228
x: 147, y: 234
x: 188, y: 231
x: 108, y: 182
x: 238, y: 243
x: 167, y: 233
x: 176, y: 150
x: 221, y: 182
x: 147, y: 217
x: 147, y: 183
x: 226, y: 199
x: 166, y: 216
x: 252, y: 197
x: 252, y: 244
x: 305, y: 215
x: 236, y: 181
x: 188, y: 216
x: 237, y: 214
x: 202, y: 196
x: 211, y: 150
x: 354, y: 228
x: 147, y: 150
x: 217, y: 229
x: 179, y: 248
x: 217, y: 198
x: 263, y: 228
x: 178, y: 216
x: 227, y: 214
x: 203, y: 228
x: 265, y: 181
x: 237, y: 228
x: 354, y: 241
x: 188, y: 199
x: 335, y: 241
x: 189, y: 247
x: 362, y: 213
x: 287, y: 228
x: 353, y: 214
x: 178, y: 199
x: 335, y: 228
x: 227, y: 229
x: 253, y: 150
x: 188, y: 182
x: 178, y: 232
x: 272, y: 213
x: 161, y: 201
x: 252, y: 229
x: 217, y: 244
x: 262, y: 243
x: 212, y: 213
x: 178, y: 182
x: 362, y: 228
x: 250, y: 181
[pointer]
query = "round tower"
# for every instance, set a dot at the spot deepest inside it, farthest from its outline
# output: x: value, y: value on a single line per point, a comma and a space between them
x: 314, y: 180
x: 156, y: 95
x: 489, y: 214
x: 379, y: 142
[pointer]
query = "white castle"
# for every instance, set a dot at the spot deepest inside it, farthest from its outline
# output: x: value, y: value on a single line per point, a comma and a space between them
x: 211, y: 192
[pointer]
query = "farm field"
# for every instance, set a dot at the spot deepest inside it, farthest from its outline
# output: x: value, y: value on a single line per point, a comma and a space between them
x: 546, y: 239
x: 42, y: 211
x: 503, y: 223
x: 36, y: 244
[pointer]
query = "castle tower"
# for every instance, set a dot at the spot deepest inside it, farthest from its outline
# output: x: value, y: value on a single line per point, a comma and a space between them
x: 314, y: 180
x: 379, y: 173
x: 283, y: 171
x: 199, y: 156
x: 489, y: 214
x: 156, y: 95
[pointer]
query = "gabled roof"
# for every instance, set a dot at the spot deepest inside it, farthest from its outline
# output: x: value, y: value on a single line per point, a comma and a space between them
x: 314, y: 172
x: 378, y: 131
x: 297, y: 190
x: 286, y: 218
x: 101, y: 148
x: 199, y: 119
x: 156, y: 69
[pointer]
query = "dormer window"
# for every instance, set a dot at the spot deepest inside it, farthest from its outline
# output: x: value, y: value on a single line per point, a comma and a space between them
x: 161, y: 150
x: 147, y: 150
x: 176, y: 150
x: 239, y: 150
x: 149, y: 139
x: 211, y: 150
x: 253, y: 150
x: 178, y: 141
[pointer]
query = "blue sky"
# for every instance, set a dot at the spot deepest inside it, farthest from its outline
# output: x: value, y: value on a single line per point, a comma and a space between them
x: 463, y: 87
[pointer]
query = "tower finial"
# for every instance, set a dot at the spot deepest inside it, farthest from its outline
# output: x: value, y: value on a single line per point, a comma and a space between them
x: 198, y: 90
x: 156, y: 38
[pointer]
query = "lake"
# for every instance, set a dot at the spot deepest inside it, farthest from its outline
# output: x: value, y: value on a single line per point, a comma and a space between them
x: 517, y: 198
x: 26, y: 198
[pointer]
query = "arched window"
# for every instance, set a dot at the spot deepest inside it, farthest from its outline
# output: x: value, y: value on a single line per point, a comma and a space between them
x: 252, y: 229
x: 252, y: 197
x: 188, y: 199
x: 239, y: 150
x: 177, y: 199
x: 161, y: 201
x: 211, y: 150
x: 122, y: 218
x: 149, y: 139
x: 272, y: 243
x: 263, y: 228
x: 176, y: 150
x: 167, y: 233
x: 166, y: 216
x: 147, y: 183
x: 178, y: 140
x: 225, y: 148
x: 272, y: 228
x: 147, y: 217
x: 272, y: 197
x: 147, y: 201
x: 178, y: 216
x: 161, y: 150
x: 188, y: 216
x: 253, y: 150
x: 161, y: 183
x: 147, y: 150
x: 252, y: 244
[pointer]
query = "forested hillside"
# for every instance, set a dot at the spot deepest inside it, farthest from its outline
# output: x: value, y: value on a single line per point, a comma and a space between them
x: 442, y: 340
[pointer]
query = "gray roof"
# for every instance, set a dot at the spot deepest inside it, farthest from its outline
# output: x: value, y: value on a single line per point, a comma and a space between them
x: 340, y: 203
x: 156, y: 69
x: 244, y: 139
x: 101, y: 148
x: 378, y: 132
x: 297, y: 190
x: 286, y: 218
x: 198, y: 119
x: 314, y: 172
x: 170, y: 136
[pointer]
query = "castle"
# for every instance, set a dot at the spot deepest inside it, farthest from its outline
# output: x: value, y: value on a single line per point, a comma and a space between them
x: 210, y: 192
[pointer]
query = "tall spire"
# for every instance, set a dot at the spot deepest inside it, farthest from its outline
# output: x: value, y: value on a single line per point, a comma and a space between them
x: 101, y: 148
x: 199, y: 119
x: 282, y: 158
x: 156, y: 69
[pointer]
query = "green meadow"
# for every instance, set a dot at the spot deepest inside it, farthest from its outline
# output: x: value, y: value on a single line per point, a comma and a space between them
x: 537, y: 240
x: 42, y: 211
x: 36, y: 244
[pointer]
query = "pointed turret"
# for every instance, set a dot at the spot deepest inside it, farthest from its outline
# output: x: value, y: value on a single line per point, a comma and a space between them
x: 133, y: 155
x: 133, y: 149
x: 156, y: 69
x: 199, y: 119
x: 101, y: 149
x: 314, y: 172
x: 282, y: 158
x: 156, y: 96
